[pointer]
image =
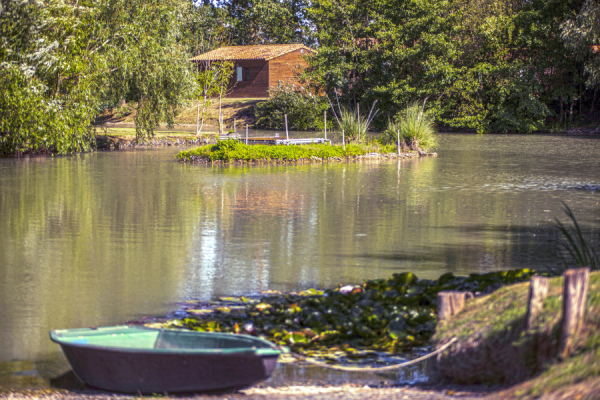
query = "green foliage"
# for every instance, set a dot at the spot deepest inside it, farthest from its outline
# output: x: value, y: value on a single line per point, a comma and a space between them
x: 267, y: 21
x: 141, y: 59
x: 43, y: 105
x: 577, y: 246
x: 304, y: 110
x: 233, y: 150
x: 61, y: 62
x: 490, y: 66
x: 384, y: 314
x: 581, y: 33
x: 417, y: 127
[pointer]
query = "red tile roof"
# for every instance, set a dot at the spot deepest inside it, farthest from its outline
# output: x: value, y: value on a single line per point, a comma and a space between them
x: 258, y: 52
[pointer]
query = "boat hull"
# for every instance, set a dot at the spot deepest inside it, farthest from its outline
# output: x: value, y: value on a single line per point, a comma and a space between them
x: 158, y: 371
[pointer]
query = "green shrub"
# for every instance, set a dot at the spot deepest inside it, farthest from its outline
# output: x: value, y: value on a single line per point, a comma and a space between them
x: 304, y: 109
x: 391, y: 133
x: 417, y: 127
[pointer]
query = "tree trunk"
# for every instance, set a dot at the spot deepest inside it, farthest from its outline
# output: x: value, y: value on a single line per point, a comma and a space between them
x: 575, y: 287
x: 571, y: 110
x: 562, y: 111
x: 538, y: 290
x: 198, y: 119
x: 220, y: 118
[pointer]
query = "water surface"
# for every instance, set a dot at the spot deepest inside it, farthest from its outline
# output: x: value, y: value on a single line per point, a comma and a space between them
x: 99, y: 239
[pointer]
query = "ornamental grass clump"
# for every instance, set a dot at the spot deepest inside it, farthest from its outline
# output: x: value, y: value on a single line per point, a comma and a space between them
x: 353, y: 125
x: 416, y: 127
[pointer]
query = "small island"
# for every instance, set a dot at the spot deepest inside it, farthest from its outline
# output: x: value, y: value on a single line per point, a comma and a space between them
x: 234, y: 151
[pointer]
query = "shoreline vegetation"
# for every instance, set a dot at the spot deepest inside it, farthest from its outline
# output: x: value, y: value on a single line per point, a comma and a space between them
x: 233, y: 151
x: 348, y: 323
x: 365, y: 325
x: 495, y: 67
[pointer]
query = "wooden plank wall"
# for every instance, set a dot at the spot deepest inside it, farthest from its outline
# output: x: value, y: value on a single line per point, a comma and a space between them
x: 286, y: 68
x: 255, y: 84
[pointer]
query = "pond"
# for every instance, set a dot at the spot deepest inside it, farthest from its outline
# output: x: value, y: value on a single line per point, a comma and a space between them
x: 100, y: 239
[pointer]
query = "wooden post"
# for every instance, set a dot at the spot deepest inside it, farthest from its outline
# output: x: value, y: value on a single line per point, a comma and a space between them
x: 246, y: 134
x: 325, y: 123
x: 287, y: 135
x: 450, y: 303
x: 234, y: 123
x: 358, y: 123
x: 343, y: 140
x: 575, y: 287
x: 399, y: 150
x: 538, y: 290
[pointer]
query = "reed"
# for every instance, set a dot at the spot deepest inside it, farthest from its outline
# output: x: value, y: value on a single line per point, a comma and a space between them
x: 352, y: 124
x: 581, y: 252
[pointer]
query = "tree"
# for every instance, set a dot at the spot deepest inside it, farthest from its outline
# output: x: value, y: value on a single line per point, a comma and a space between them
x: 582, y: 34
x: 46, y: 78
x: 212, y: 80
x: 144, y: 59
x: 268, y: 21
x: 487, y: 65
x: 61, y: 62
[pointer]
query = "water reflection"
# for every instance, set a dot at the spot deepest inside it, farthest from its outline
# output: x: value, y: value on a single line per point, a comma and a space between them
x: 103, y: 238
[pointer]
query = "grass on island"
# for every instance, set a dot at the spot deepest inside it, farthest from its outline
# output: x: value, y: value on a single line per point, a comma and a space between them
x: 232, y: 150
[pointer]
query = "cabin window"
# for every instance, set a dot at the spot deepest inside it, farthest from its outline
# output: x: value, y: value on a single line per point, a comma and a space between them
x: 240, y: 74
x: 247, y: 74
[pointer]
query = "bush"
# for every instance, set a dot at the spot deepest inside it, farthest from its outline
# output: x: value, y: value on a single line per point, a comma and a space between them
x: 304, y: 109
x: 416, y: 126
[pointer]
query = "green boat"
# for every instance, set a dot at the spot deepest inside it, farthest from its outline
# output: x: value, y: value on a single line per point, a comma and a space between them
x: 135, y: 359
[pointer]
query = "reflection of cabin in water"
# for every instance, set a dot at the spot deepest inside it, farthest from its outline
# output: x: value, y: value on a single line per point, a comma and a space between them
x: 259, y: 68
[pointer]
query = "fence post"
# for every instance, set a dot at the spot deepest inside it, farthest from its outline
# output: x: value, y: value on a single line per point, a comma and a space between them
x: 450, y: 303
x: 575, y: 288
x: 325, y: 123
x: 287, y: 135
x: 538, y: 290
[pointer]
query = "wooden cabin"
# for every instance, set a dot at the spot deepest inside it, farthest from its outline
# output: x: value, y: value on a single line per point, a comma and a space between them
x: 259, y: 68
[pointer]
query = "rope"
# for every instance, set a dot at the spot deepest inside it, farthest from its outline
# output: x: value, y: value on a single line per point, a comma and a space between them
x: 375, y: 369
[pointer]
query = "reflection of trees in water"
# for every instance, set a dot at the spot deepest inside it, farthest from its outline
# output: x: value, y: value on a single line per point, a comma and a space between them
x: 84, y: 240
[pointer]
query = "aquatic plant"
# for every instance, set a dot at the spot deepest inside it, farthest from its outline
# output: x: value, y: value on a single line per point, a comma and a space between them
x: 354, y: 125
x: 577, y: 246
x: 384, y: 314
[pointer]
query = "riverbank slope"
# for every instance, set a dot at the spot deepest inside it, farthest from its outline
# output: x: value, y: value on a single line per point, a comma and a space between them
x: 495, y: 348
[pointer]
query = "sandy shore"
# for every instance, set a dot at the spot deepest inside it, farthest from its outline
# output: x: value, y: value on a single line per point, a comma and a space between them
x: 340, y: 392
